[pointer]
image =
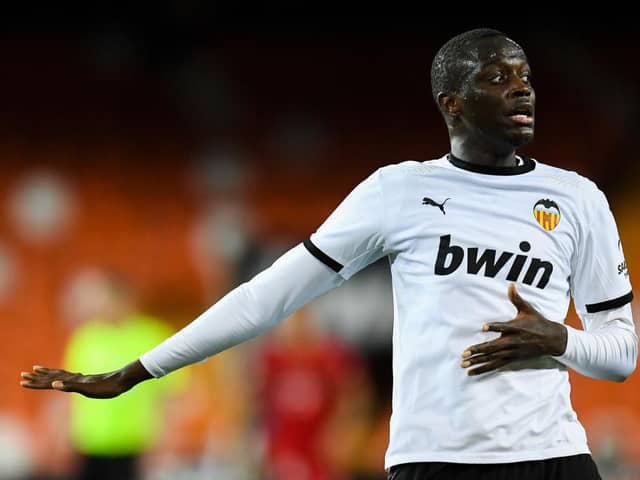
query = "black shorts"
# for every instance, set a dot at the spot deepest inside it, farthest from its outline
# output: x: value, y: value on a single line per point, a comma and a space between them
x: 575, y: 467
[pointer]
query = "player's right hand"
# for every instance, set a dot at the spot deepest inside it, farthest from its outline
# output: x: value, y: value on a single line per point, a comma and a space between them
x: 104, y: 385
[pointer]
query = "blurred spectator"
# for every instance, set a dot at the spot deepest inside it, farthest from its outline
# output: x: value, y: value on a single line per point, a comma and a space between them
x: 41, y: 206
x: 210, y: 426
x: 16, y: 458
x: 309, y: 383
x: 112, y: 435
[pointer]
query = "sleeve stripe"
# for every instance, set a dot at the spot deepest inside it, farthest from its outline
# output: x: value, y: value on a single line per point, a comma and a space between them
x: 323, y: 257
x: 609, y: 304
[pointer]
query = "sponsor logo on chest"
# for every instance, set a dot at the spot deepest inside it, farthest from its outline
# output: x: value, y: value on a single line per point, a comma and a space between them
x: 491, y: 263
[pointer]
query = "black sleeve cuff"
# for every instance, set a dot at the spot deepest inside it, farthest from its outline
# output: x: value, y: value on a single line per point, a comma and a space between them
x: 323, y: 257
x: 609, y: 304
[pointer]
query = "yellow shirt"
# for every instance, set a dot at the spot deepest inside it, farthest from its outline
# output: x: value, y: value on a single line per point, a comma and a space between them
x: 128, y: 424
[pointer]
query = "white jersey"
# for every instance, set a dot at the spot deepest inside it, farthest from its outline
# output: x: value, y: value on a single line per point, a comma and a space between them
x: 456, y: 235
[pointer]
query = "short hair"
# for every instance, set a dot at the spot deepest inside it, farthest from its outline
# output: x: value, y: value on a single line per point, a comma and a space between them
x: 448, y: 69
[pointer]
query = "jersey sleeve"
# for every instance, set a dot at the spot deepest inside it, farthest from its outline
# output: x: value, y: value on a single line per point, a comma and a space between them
x: 352, y: 237
x: 600, y: 279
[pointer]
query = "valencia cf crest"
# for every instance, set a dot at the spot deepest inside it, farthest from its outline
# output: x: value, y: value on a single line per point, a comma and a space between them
x: 547, y: 213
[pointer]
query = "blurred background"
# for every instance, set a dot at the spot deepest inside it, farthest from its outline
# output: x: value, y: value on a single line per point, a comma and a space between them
x: 151, y: 161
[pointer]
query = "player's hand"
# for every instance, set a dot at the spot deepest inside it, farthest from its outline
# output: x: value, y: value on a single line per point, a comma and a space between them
x: 528, y: 335
x: 103, y: 385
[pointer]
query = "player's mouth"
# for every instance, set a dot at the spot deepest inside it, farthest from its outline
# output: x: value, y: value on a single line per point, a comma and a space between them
x: 522, y: 114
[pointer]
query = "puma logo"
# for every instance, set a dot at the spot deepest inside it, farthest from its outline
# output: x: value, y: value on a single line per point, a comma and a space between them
x: 428, y: 201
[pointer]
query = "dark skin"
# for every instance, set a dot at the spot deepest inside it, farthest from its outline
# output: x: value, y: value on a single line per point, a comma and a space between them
x: 488, y: 119
x: 103, y: 385
x: 478, y: 118
x: 528, y: 335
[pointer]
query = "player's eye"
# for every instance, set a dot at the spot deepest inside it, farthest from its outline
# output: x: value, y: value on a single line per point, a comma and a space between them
x: 497, y: 79
x: 526, y: 77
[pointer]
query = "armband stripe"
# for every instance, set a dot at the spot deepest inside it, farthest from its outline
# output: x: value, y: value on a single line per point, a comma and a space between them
x: 323, y: 257
x: 609, y: 304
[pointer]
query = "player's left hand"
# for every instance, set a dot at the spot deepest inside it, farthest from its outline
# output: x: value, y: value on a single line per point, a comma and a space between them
x: 528, y: 335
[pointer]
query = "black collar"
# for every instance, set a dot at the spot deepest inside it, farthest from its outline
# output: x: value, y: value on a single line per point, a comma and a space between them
x: 527, y: 166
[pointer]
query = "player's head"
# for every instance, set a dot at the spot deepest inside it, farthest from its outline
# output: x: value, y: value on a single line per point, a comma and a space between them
x: 481, y: 82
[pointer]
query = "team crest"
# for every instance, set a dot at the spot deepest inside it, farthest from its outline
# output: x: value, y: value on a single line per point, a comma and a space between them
x: 547, y: 213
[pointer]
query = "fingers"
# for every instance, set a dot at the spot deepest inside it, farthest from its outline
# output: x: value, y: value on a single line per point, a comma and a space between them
x: 43, y: 378
x: 38, y: 383
x: 503, y: 327
x: 35, y: 385
x: 49, y: 371
x: 520, y: 303
x: 489, y: 367
x: 93, y: 386
x: 43, y: 370
x: 487, y: 347
x: 34, y: 381
x: 490, y: 355
x: 509, y: 353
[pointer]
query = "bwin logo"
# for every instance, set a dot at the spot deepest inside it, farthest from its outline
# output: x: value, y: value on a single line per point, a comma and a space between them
x: 450, y: 257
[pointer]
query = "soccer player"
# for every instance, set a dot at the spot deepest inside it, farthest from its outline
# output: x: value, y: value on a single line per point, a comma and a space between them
x: 486, y: 248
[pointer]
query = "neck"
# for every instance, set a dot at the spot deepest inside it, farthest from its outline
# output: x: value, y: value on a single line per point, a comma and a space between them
x: 485, y: 155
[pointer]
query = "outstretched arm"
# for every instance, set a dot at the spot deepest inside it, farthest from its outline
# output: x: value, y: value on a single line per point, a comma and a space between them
x: 254, y: 307
x: 350, y: 239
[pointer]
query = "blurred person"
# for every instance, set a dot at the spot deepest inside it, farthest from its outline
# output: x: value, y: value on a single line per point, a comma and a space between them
x: 304, y: 379
x: 481, y: 385
x: 17, y: 460
x: 111, y: 437
x: 211, y: 430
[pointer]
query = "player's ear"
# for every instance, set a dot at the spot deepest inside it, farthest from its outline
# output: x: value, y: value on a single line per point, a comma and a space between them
x: 449, y: 104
